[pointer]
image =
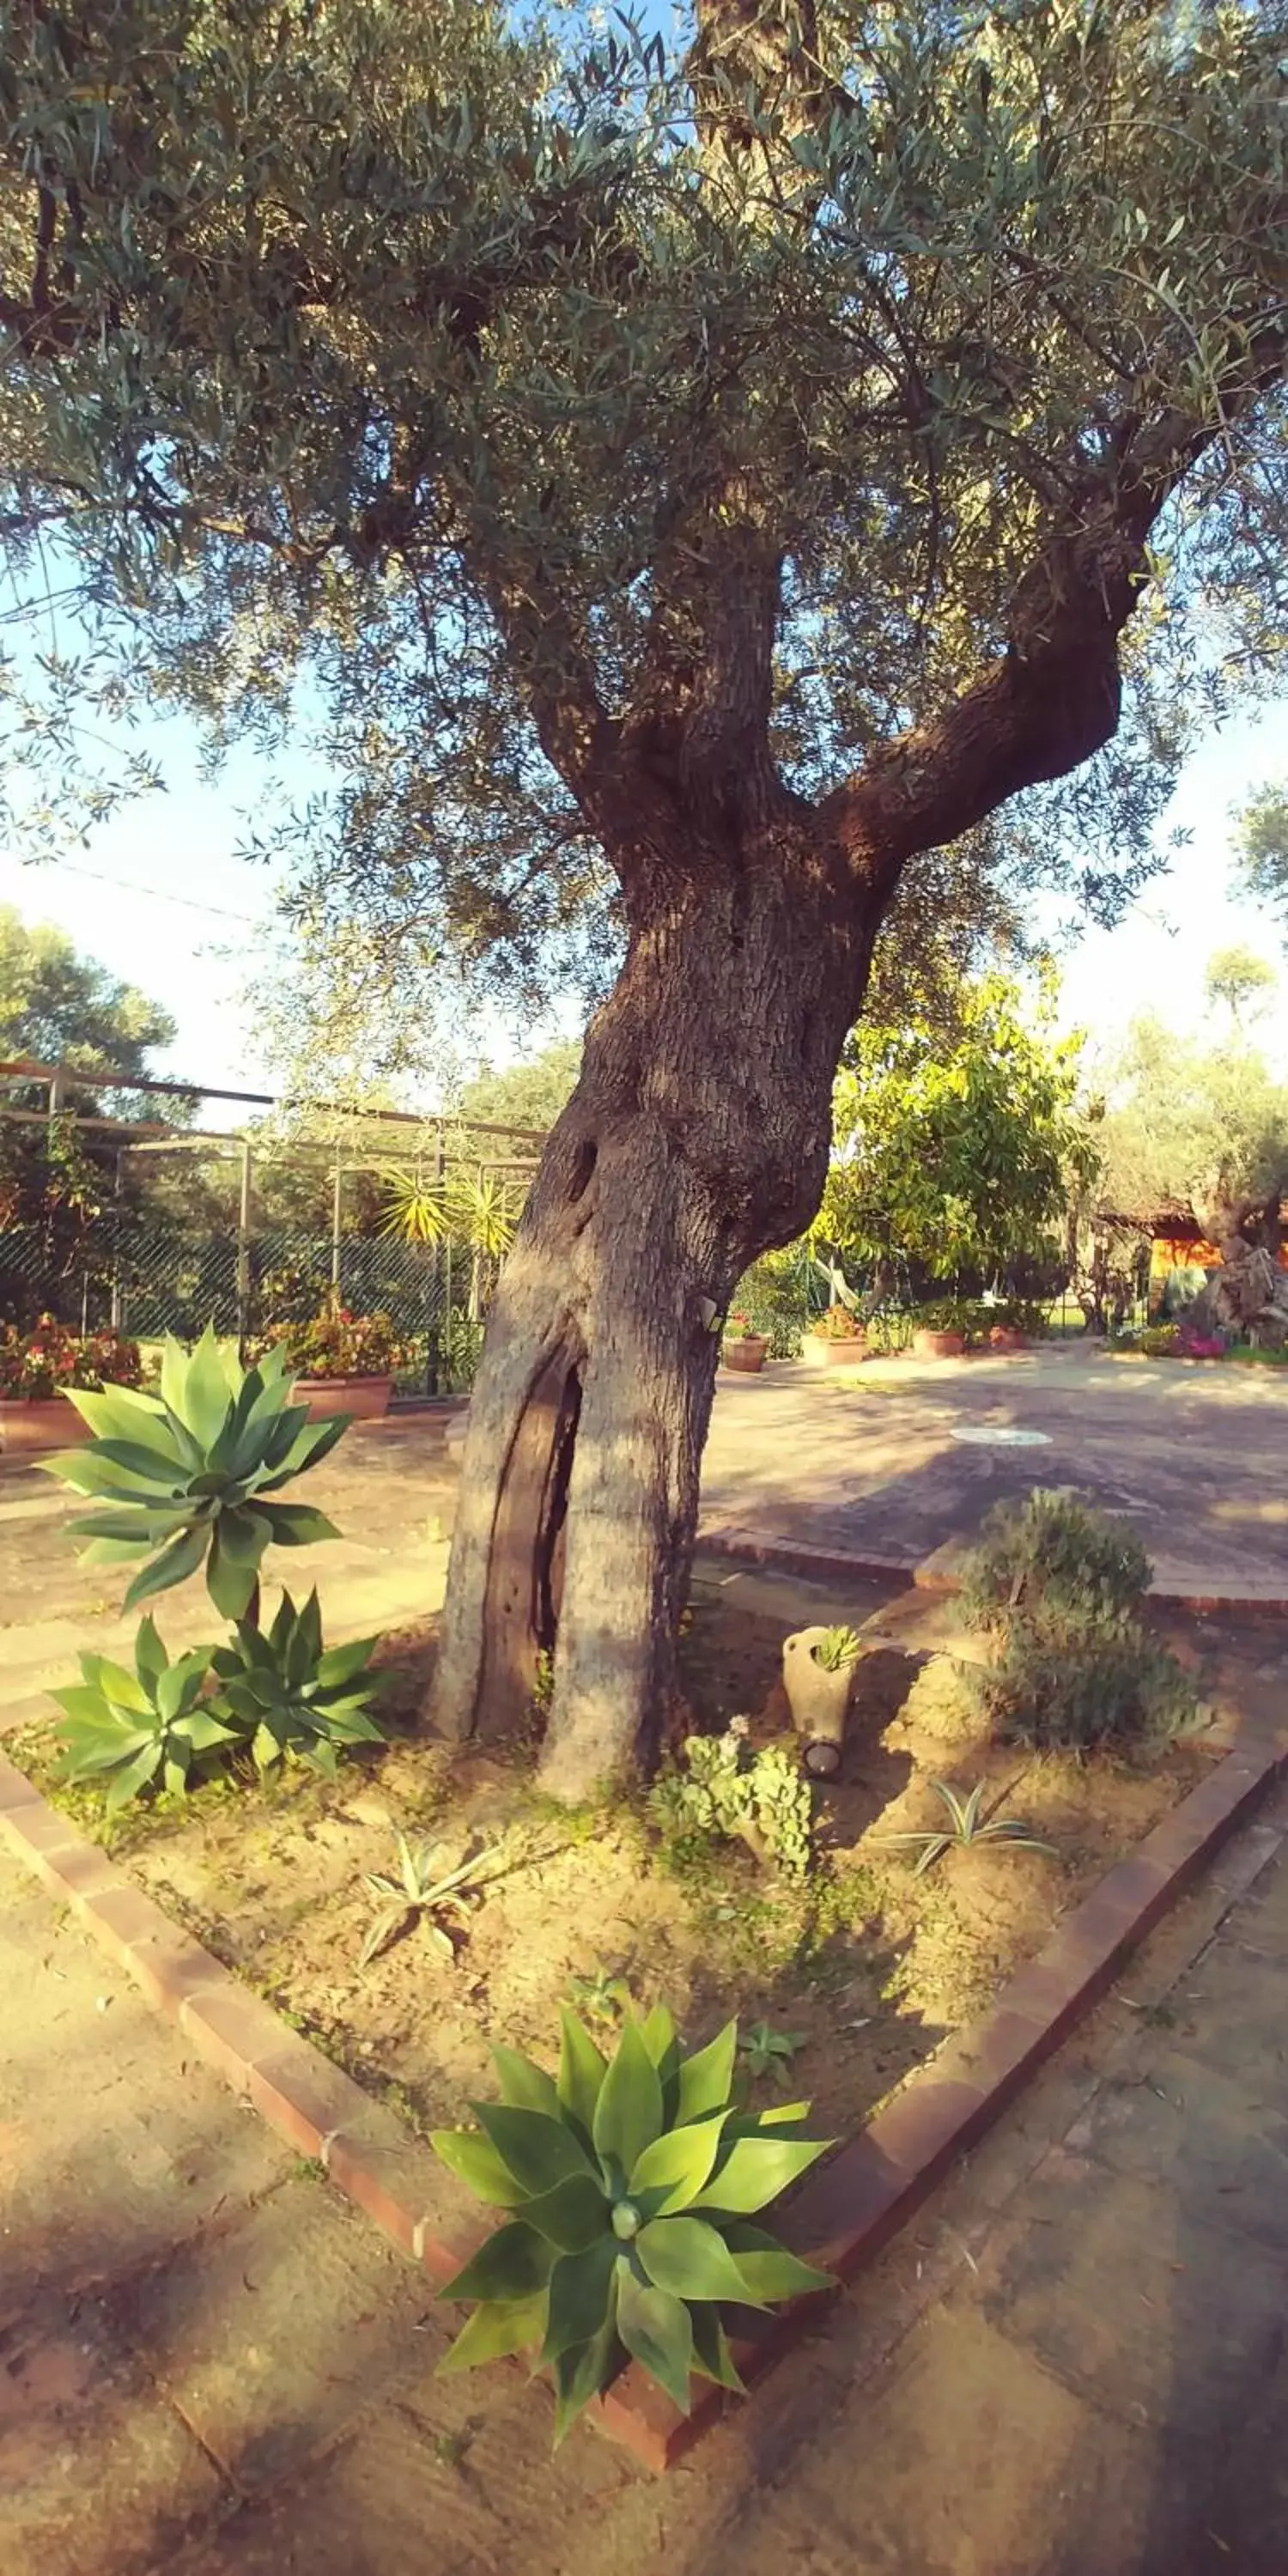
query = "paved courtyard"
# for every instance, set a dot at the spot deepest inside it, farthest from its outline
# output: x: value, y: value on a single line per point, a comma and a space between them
x: 1195, y: 1457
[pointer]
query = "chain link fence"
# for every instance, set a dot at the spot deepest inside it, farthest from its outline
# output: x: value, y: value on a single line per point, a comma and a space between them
x: 167, y: 1238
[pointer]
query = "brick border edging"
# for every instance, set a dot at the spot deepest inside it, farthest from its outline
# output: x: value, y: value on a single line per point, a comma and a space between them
x: 845, y: 2211
x: 803, y: 1557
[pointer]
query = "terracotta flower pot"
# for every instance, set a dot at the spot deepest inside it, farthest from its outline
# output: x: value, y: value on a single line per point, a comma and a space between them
x: 365, y: 1399
x: 1006, y: 1337
x: 819, y: 1700
x: 746, y: 1353
x: 32, y: 1422
x: 834, y: 1350
x: 937, y: 1346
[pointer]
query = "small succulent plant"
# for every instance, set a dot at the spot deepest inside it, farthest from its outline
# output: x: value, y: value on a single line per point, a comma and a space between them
x: 837, y: 1649
x: 288, y: 1696
x: 964, y: 1826
x: 629, y: 2184
x: 727, y: 1791
x: 770, y: 2052
x: 123, y: 1732
x: 600, y: 1997
x: 431, y: 1879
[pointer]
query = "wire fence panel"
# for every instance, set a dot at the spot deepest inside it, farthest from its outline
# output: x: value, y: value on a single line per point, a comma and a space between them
x: 149, y: 1277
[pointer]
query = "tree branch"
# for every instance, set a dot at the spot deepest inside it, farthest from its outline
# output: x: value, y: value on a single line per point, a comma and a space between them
x: 1053, y: 699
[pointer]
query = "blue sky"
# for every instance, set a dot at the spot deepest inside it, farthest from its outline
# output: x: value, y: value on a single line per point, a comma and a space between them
x: 160, y: 897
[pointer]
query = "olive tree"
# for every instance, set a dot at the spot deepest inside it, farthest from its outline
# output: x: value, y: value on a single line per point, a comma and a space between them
x: 681, y: 489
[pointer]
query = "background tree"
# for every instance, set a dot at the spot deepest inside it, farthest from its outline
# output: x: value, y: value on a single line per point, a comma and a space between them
x: 954, y: 1153
x: 681, y: 489
x: 1261, y: 848
x: 1242, y: 981
x: 527, y: 1094
x: 59, y: 1008
x: 1204, y: 1129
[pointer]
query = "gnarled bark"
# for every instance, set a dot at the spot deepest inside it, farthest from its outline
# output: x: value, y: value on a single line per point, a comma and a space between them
x: 697, y: 1137
x: 1249, y: 1293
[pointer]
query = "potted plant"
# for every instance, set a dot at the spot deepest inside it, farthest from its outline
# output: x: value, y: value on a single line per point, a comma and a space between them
x: 941, y: 1333
x: 835, y: 1338
x: 818, y: 1676
x: 36, y: 1370
x: 743, y: 1347
x: 346, y: 1362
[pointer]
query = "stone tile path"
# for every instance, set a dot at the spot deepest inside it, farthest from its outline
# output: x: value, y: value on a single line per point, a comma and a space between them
x: 1075, y: 2363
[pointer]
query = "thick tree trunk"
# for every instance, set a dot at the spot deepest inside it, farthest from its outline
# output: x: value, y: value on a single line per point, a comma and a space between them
x: 697, y: 1137
x: 1249, y: 1293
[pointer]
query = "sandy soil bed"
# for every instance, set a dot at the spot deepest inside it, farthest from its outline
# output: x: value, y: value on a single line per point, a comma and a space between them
x: 867, y: 1973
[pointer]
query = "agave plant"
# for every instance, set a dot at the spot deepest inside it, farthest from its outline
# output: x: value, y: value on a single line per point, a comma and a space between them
x: 287, y: 1696
x: 183, y: 1478
x: 430, y: 1877
x: 127, y: 1731
x: 964, y: 1826
x: 628, y: 2184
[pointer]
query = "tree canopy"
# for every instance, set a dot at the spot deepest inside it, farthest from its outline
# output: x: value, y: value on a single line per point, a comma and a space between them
x: 528, y: 1094
x: 1190, y: 1124
x: 681, y: 491
x: 1261, y: 849
x: 1241, y: 980
x: 527, y: 409
x: 58, y: 1007
x: 954, y: 1154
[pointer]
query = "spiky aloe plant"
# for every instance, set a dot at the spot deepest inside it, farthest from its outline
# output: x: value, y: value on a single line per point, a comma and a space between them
x: 123, y: 1731
x: 431, y: 1879
x: 183, y: 1478
x: 629, y: 2185
x: 964, y: 1826
x: 289, y: 1697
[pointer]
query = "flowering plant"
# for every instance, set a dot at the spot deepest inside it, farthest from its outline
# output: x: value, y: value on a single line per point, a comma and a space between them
x: 1201, y: 1346
x: 739, y: 1328
x: 837, y: 1325
x: 51, y: 1358
x: 337, y: 1343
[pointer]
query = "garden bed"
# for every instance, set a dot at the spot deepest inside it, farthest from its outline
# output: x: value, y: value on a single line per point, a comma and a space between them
x: 868, y: 1970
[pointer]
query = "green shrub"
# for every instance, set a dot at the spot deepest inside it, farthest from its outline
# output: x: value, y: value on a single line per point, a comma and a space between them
x: 627, y: 2186
x: 1157, y: 1341
x: 889, y: 1330
x: 725, y: 1792
x: 1051, y: 1552
x: 1060, y: 1684
x: 1073, y: 1669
